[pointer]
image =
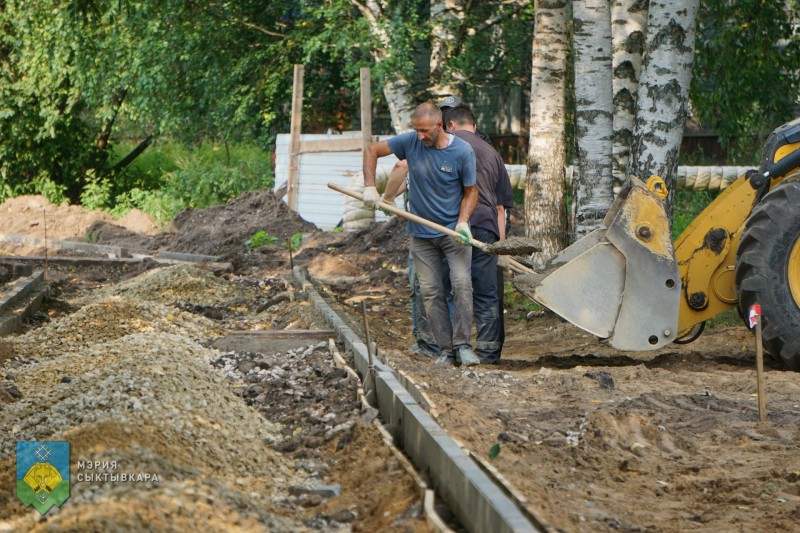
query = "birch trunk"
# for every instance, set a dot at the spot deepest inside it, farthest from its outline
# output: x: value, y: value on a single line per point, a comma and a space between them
x: 661, y: 106
x: 447, y: 19
x: 545, y: 209
x: 593, y: 190
x: 398, y: 93
x: 628, y: 25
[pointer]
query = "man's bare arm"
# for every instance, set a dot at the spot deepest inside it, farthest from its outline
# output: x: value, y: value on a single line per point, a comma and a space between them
x: 468, y: 204
x: 501, y: 221
x: 371, y: 155
x: 396, y: 184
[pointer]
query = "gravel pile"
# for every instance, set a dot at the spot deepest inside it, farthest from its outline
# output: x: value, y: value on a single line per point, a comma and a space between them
x: 179, y: 284
x: 108, y: 320
x: 131, y: 382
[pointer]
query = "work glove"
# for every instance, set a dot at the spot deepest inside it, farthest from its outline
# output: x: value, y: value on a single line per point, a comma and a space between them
x: 503, y: 261
x: 370, y: 197
x: 466, y: 235
x: 385, y: 211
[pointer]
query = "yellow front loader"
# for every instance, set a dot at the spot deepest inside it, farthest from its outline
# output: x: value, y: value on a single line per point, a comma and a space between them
x: 629, y: 284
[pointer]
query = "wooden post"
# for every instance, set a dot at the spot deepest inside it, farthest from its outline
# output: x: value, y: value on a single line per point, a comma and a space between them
x: 366, y: 107
x: 294, y: 137
x: 755, y: 315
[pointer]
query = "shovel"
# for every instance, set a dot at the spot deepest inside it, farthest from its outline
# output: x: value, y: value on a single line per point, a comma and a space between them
x: 506, y: 262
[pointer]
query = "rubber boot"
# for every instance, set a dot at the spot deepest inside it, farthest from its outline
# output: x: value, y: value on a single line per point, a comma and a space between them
x: 465, y: 356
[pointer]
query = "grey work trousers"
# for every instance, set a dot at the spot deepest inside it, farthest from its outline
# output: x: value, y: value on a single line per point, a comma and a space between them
x: 428, y: 256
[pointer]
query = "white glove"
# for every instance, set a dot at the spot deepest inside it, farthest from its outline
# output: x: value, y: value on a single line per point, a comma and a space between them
x: 503, y: 261
x: 370, y: 197
x: 466, y: 235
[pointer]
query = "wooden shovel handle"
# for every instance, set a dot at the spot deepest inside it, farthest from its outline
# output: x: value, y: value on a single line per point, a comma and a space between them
x: 515, y: 266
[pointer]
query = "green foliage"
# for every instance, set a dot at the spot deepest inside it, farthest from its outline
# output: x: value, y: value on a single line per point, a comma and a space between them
x: 517, y: 304
x: 746, y: 73
x: 259, y: 239
x: 294, y: 241
x: 96, y: 193
x: 686, y: 206
x: 500, y: 52
x: 72, y: 72
x: 174, y: 177
x: 494, y: 451
x: 727, y: 318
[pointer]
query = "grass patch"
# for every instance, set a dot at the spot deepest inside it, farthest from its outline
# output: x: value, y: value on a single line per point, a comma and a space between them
x: 516, y: 304
x: 687, y: 205
x: 727, y: 318
x: 170, y: 177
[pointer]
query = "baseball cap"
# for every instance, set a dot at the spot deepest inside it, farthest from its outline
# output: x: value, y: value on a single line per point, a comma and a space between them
x: 450, y: 101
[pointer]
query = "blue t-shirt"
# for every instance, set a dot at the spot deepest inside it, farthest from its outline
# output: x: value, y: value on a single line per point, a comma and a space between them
x: 436, y: 180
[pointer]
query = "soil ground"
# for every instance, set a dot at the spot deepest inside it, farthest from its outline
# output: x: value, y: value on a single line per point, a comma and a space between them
x: 593, y: 438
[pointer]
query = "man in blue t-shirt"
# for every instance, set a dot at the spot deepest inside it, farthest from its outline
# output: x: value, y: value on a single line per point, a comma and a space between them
x: 442, y: 189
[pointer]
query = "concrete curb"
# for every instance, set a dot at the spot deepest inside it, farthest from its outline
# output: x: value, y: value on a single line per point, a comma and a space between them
x: 111, y: 251
x: 118, y: 252
x: 477, y: 502
x: 32, y: 289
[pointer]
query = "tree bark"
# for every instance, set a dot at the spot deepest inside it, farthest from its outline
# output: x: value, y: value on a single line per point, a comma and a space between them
x: 545, y: 207
x: 593, y: 190
x: 661, y: 106
x: 397, y: 91
x: 628, y: 25
x: 447, y: 18
x: 100, y: 155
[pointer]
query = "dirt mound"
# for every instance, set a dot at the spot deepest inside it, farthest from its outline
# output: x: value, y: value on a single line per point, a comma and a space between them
x: 220, y: 230
x: 35, y: 216
x: 389, y: 237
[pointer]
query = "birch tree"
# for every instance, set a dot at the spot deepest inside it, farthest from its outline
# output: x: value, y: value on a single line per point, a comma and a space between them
x: 661, y: 106
x: 545, y: 209
x: 460, y: 40
x: 397, y: 88
x: 447, y: 20
x: 628, y: 26
x: 593, y: 114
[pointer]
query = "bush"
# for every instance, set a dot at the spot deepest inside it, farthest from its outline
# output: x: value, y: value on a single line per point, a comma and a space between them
x: 166, y: 181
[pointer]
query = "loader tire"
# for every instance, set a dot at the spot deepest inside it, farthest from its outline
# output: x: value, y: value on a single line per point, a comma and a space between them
x: 768, y: 270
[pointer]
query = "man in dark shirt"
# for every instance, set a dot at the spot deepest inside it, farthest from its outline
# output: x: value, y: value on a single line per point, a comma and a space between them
x: 487, y: 224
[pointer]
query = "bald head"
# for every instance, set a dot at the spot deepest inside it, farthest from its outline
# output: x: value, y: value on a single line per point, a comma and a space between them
x: 427, y: 122
x: 427, y: 110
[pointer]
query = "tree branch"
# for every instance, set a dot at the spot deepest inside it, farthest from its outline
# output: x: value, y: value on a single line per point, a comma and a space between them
x: 136, y: 152
x: 245, y: 23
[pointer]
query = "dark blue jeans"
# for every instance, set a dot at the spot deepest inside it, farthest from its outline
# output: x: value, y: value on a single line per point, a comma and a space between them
x: 485, y: 301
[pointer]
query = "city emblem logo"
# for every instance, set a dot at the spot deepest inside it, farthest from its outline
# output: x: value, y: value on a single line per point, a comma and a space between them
x: 43, y: 473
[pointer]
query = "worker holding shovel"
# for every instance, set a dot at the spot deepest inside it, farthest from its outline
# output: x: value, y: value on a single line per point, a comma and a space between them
x: 442, y: 189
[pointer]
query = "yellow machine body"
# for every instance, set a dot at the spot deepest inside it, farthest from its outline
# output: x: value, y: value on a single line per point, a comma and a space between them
x: 628, y: 283
x: 706, y: 251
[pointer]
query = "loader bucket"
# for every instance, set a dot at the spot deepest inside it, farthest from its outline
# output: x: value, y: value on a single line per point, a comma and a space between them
x: 620, y: 282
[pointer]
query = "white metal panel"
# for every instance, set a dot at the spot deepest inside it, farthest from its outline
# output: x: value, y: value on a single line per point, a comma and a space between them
x: 317, y: 203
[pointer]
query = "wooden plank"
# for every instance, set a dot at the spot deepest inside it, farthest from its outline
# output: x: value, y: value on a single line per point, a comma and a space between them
x: 343, y: 144
x: 321, y: 334
x: 366, y: 108
x: 270, y: 342
x: 294, y: 139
